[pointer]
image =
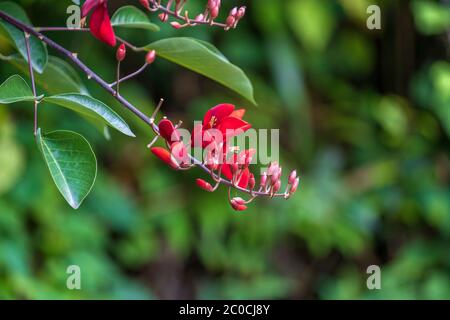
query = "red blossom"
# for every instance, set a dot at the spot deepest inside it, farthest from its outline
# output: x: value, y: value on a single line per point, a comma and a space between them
x: 224, y: 118
x: 100, y: 23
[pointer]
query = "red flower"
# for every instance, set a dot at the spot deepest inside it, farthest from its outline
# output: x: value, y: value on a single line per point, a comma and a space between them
x: 100, y: 24
x: 224, y: 118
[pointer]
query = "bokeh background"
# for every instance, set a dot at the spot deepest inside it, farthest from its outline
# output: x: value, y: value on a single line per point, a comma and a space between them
x: 364, y: 116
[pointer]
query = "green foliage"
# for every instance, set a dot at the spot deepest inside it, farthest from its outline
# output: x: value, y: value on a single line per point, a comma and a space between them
x: 15, y: 89
x: 71, y: 162
x: 93, y: 108
x: 366, y: 125
x: 39, y: 55
x: 132, y: 17
x: 204, y: 59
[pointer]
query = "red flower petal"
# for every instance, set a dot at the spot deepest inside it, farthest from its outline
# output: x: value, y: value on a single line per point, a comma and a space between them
x: 232, y: 123
x: 168, y: 132
x: 243, y: 182
x: 219, y: 112
x: 101, y: 27
x: 88, y: 6
x: 238, y: 113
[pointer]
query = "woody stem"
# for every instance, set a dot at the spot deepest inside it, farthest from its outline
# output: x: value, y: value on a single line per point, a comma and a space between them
x: 95, y: 77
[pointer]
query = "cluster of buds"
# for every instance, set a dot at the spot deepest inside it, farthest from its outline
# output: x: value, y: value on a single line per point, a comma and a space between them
x: 225, y: 164
x: 175, y: 8
x: 235, y: 15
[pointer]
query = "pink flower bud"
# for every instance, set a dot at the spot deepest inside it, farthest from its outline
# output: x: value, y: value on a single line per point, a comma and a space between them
x: 276, y: 186
x: 233, y: 12
x: 204, y: 185
x: 176, y: 25
x: 200, y: 18
x: 294, y: 186
x: 263, y: 180
x: 214, y: 12
x: 163, y: 17
x: 292, y: 177
x: 121, y: 52
x: 145, y: 4
x: 230, y: 21
x: 241, y: 12
x: 150, y: 57
x: 180, y: 154
x: 234, y: 168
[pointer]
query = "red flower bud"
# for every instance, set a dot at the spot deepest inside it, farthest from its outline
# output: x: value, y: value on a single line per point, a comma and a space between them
x: 251, y: 181
x: 233, y: 12
x: 238, y: 204
x: 168, y: 131
x: 204, y: 185
x: 165, y: 156
x: 292, y: 177
x: 121, y: 52
x: 214, y: 12
x: 150, y: 57
x: 145, y: 4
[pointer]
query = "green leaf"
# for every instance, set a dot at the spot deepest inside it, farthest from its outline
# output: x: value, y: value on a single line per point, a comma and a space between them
x: 15, y: 89
x: 71, y: 162
x: 132, y: 17
x: 206, y: 60
x: 58, y: 76
x: 38, y: 50
x: 93, y: 108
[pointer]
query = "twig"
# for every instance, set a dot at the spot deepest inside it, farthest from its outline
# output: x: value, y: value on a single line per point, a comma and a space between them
x: 131, y: 75
x: 33, y: 84
x: 93, y: 76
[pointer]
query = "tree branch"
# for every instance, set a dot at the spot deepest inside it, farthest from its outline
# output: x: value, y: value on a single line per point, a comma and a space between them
x: 93, y: 76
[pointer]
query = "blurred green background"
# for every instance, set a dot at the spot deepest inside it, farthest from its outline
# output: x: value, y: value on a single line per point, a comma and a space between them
x: 364, y: 116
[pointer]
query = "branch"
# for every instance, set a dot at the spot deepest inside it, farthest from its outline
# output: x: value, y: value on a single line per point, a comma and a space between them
x: 93, y: 76
x: 33, y: 83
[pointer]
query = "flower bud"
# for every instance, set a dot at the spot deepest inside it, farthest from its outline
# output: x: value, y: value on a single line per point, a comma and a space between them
x: 233, y: 12
x: 163, y: 17
x: 204, y: 185
x: 176, y: 25
x: 168, y: 132
x: 251, y: 181
x: 292, y: 177
x: 294, y: 186
x: 150, y: 57
x: 230, y: 21
x: 145, y: 4
x: 214, y: 12
x: 199, y: 18
x: 180, y: 154
x: 263, y: 180
x: 238, y: 204
x: 241, y: 12
x: 121, y: 52
x: 276, y: 187
x: 165, y: 156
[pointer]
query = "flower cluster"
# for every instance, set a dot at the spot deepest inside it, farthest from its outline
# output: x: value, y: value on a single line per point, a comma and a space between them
x: 208, y: 16
x: 101, y: 28
x: 226, y: 164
